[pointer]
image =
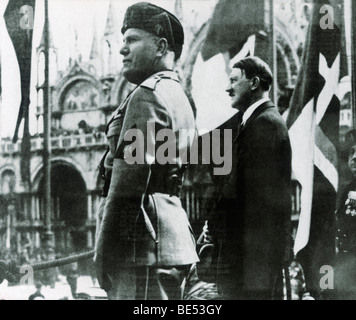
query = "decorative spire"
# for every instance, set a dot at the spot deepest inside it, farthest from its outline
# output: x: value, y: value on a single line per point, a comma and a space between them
x: 78, y: 55
x: 110, y: 22
x: 94, y: 52
x: 110, y: 45
x: 94, y: 57
x: 53, y: 57
x: 74, y: 52
x: 50, y: 39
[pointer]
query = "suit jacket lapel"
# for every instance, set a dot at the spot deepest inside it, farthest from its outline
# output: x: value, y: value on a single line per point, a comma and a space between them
x: 256, y: 113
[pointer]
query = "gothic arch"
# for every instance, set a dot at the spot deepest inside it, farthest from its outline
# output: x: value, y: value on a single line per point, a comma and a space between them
x: 7, y: 179
x: 68, y: 82
x: 38, y: 172
x: 7, y: 167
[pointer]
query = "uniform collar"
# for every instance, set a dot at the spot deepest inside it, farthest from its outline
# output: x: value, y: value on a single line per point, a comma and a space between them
x: 165, y: 74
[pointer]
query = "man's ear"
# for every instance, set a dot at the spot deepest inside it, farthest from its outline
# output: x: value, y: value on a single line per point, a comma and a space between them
x: 255, y: 83
x: 162, y: 47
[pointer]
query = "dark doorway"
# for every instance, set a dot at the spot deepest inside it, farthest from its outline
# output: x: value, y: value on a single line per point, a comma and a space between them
x: 69, y: 208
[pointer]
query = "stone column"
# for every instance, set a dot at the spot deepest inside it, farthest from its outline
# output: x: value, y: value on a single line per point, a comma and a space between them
x: 90, y: 207
x: 33, y: 207
x: 38, y: 209
x: 89, y: 239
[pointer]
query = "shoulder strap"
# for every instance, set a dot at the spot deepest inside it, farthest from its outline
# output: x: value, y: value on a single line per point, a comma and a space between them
x: 152, y: 82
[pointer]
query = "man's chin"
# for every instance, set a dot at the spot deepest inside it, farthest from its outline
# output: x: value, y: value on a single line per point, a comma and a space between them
x: 234, y: 105
x: 130, y: 76
x: 133, y: 77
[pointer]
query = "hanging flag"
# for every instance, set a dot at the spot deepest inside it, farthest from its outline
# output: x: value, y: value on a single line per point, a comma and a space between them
x: 313, y: 123
x: 0, y: 82
x: 232, y: 23
x: 19, y: 17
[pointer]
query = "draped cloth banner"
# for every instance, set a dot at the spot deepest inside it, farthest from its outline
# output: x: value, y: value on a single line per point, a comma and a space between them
x: 313, y: 123
x: 19, y: 16
x: 232, y: 23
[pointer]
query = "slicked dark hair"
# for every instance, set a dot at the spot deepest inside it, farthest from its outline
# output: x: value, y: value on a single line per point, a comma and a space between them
x: 256, y: 67
x: 177, y: 49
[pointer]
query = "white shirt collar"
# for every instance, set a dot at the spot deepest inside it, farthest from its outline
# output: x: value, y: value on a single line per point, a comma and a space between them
x: 247, y: 114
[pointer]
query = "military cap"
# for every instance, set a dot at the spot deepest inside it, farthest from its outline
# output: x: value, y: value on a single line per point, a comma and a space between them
x: 155, y: 20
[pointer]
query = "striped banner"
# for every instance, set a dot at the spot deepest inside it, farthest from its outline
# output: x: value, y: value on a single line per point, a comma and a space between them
x: 313, y: 123
x: 231, y: 25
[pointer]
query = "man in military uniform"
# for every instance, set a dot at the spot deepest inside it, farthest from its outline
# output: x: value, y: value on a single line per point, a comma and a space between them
x: 145, y: 245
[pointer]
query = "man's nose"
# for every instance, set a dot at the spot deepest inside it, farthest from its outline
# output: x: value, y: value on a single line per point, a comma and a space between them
x: 228, y: 89
x: 124, y: 50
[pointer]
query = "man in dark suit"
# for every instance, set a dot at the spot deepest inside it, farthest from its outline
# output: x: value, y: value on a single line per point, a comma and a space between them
x: 145, y: 246
x: 251, y: 219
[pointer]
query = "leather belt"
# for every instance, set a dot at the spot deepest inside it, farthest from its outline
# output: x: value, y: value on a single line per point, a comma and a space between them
x: 171, y: 186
